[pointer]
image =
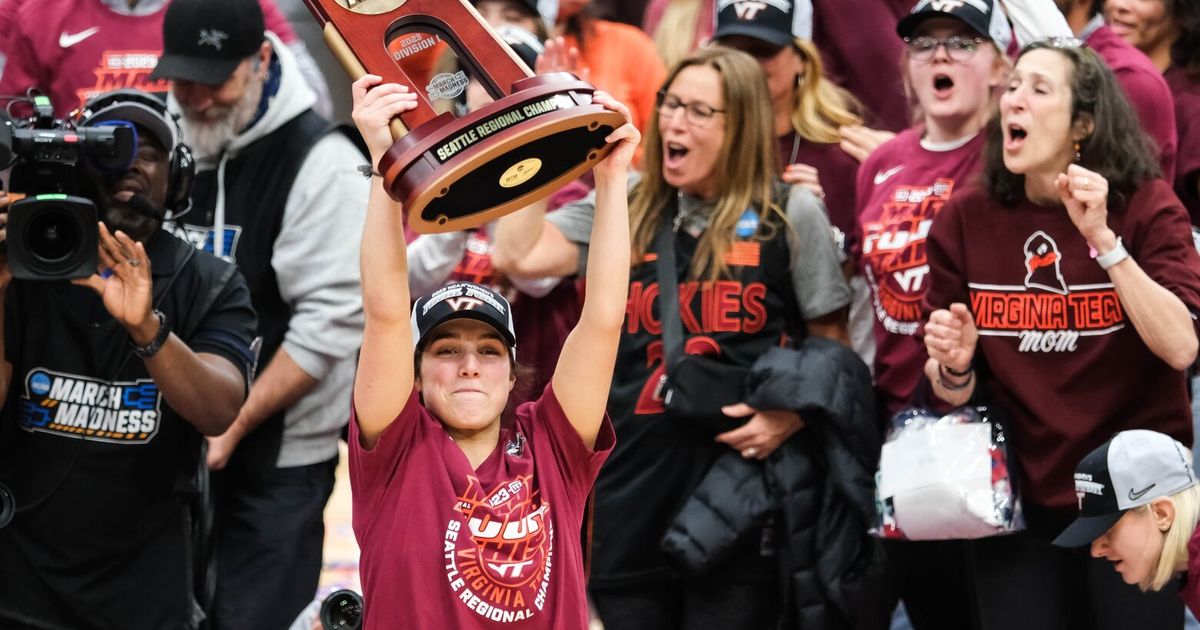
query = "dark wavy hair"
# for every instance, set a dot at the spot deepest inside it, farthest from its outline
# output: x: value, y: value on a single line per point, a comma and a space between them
x: 1185, y: 51
x: 1116, y: 148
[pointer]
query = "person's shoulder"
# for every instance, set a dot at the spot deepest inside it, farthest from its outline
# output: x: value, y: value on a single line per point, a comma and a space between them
x: 625, y: 37
x: 1152, y: 195
x: 1185, y: 87
x: 891, y: 157
x: 898, y: 146
x: 1123, y: 58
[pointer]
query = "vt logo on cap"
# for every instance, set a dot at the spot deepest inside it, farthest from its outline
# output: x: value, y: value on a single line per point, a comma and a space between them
x: 747, y: 9
x: 464, y: 303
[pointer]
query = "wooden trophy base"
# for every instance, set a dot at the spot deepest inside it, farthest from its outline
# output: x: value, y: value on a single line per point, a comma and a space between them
x: 458, y: 173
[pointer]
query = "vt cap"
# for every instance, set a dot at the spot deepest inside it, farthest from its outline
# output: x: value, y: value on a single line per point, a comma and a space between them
x: 463, y: 299
x: 776, y: 22
x: 982, y: 16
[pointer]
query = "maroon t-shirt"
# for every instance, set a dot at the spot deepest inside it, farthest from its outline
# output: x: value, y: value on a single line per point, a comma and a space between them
x: 444, y: 546
x: 1146, y: 89
x: 836, y: 171
x: 76, y: 49
x: 901, y: 188
x: 1185, y: 87
x: 1190, y: 589
x: 1067, y: 365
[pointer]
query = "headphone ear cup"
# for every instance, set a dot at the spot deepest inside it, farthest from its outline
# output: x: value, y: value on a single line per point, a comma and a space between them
x: 183, y: 175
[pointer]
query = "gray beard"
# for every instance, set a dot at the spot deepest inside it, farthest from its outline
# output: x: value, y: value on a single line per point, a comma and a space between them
x: 208, y: 138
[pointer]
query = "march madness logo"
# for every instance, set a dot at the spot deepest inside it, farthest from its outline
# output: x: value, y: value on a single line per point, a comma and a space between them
x: 121, y: 412
x: 120, y: 69
x: 1045, y: 314
x: 500, y: 565
x: 894, y: 245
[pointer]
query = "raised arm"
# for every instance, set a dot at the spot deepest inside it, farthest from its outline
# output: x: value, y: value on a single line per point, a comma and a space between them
x: 1160, y: 318
x: 206, y: 389
x: 525, y: 245
x: 385, y: 364
x: 584, y: 372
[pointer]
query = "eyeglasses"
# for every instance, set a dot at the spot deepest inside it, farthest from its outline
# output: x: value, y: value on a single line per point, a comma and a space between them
x: 1054, y: 42
x: 696, y: 114
x: 958, y: 47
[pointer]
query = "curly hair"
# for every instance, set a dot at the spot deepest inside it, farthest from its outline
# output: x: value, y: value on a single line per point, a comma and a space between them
x: 1116, y: 148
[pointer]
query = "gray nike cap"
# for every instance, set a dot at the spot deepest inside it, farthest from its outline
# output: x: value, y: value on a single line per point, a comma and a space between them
x: 1130, y: 470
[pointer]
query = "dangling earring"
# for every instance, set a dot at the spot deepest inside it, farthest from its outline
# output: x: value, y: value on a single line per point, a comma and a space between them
x: 799, y: 81
x: 1077, y: 156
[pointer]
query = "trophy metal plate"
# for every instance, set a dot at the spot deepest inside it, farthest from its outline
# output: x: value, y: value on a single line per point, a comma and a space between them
x: 453, y: 173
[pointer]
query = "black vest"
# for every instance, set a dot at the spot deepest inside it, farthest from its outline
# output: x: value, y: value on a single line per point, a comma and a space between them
x: 657, y: 462
x: 257, y: 184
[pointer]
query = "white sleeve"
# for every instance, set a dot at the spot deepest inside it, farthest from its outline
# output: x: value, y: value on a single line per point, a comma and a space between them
x: 432, y: 258
x: 1036, y: 19
x: 315, y: 256
x: 535, y: 287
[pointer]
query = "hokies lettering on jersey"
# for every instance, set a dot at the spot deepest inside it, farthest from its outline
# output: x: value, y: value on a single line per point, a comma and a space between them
x: 894, y: 257
x: 119, y: 412
x: 120, y: 69
x: 1044, y: 313
x: 499, y: 565
x: 725, y: 306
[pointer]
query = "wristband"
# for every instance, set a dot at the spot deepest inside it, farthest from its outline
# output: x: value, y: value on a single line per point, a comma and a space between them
x: 953, y: 372
x: 149, y: 350
x: 956, y: 386
x: 1113, y: 256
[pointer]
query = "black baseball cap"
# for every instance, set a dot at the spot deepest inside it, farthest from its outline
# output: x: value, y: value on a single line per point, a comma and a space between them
x: 205, y: 40
x: 776, y: 22
x: 134, y: 106
x: 525, y: 44
x: 982, y: 16
x: 1130, y: 470
x: 463, y: 299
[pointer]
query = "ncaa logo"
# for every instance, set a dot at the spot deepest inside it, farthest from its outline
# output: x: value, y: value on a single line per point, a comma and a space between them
x: 39, y: 383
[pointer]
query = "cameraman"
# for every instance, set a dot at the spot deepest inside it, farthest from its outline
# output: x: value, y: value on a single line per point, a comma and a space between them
x: 109, y: 385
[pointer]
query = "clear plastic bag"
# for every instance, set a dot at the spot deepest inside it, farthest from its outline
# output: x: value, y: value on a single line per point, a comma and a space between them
x: 946, y: 477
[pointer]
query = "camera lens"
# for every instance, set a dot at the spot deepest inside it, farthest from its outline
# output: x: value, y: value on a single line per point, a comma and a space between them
x: 342, y: 609
x: 53, y: 235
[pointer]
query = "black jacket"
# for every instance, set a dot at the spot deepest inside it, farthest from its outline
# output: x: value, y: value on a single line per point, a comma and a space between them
x: 818, y: 487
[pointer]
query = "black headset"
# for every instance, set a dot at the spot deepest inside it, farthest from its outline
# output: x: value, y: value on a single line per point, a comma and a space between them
x: 139, y: 107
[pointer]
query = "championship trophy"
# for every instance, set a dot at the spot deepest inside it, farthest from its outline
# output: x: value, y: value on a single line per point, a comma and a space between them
x: 452, y: 173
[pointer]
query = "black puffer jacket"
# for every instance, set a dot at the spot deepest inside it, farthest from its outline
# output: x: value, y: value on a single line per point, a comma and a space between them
x: 818, y: 487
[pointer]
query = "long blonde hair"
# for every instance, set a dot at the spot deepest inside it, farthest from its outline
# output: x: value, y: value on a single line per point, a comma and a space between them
x: 745, y: 167
x: 819, y: 106
x: 1175, y: 545
x: 675, y: 35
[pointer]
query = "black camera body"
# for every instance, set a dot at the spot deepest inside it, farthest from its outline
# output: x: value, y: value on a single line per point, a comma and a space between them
x: 52, y: 233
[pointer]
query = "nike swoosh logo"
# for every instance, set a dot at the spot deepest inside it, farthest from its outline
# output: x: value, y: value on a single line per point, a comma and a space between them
x: 1134, y: 496
x: 883, y: 176
x: 67, y: 40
